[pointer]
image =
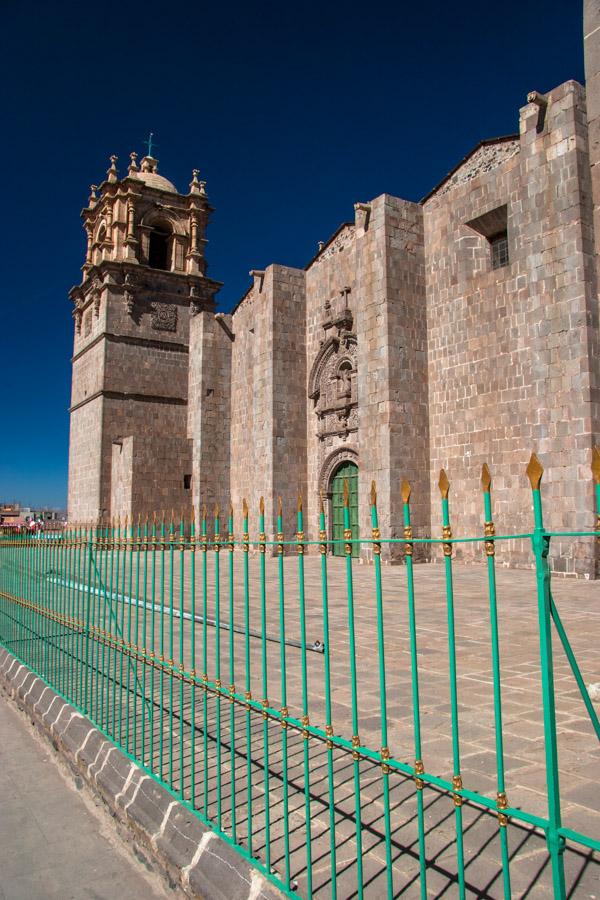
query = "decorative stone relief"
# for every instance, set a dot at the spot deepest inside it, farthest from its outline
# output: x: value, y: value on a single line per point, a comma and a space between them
x: 332, y: 382
x: 164, y: 316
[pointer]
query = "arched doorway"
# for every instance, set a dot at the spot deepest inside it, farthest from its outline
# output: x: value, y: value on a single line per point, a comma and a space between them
x: 347, y: 470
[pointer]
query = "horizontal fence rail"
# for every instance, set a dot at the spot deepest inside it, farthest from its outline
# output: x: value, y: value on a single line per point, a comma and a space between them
x: 288, y: 702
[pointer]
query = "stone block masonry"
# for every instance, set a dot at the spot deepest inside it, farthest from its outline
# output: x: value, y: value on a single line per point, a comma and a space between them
x: 449, y: 332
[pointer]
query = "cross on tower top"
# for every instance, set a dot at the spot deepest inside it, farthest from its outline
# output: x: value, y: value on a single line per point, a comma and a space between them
x: 148, y: 143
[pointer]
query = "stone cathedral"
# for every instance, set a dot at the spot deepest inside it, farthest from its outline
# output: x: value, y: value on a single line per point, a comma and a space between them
x: 453, y: 331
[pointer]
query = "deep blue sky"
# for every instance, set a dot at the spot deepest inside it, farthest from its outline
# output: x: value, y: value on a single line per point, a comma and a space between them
x: 291, y: 111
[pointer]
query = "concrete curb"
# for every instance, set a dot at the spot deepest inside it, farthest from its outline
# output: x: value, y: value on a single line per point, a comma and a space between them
x: 159, y: 828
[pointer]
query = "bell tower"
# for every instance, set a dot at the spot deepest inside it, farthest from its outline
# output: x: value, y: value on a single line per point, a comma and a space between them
x: 144, y: 274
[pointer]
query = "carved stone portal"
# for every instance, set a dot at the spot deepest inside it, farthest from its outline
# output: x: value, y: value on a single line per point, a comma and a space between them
x: 332, y: 383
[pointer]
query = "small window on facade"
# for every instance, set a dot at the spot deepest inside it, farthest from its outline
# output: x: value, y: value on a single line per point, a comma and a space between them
x: 187, y: 482
x: 499, y: 248
x: 158, y: 249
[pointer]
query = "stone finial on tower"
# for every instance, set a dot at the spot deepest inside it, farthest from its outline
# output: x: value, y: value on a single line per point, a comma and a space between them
x: 194, y: 183
x: 133, y: 166
x: 111, y: 173
x: 93, y: 199
x: 150, y: 164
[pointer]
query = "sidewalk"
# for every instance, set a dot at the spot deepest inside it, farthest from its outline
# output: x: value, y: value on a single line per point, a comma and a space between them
x: 53, y: 844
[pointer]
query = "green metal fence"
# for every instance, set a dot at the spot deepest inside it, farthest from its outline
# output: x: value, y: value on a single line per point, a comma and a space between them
x: 175, y: 638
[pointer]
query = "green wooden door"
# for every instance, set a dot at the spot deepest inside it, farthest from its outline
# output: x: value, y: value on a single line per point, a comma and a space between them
x: 350, y: 471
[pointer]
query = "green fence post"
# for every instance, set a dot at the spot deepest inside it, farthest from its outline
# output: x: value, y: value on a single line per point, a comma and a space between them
x: 385, y: 750
x: 305, y: 713
x: 284, y: 709
x: 193, y: 658
x: 353, y: 685
x: 262, y: 538
x: 541, y: 547
x: 181, y: 668
x: 204, y: 545
x: 414, y: 665
x: 217, y: 549
x: 232, y: 742
x: 327, y: 675
x: 444, y: 486
x: 171, y: 661
x: 490, y: 550
x: 247, y: 666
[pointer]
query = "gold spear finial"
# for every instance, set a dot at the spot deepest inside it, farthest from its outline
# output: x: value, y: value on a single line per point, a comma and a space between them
x: 217, y: 510
x: 322, y: 505
x: 406, y: 491
x: 373, y: 494
x: 279, y: 507
x: 204, y: 511
x: 230, y: 510
x: 346, y: 493
x: 261, y: 506
x: 193, y: 514
x: 244, y: 507
x: 299, y: 507
x: 486, y: 479
x: 444, y: 484
x: 596, y: 464
x: 534, y: 472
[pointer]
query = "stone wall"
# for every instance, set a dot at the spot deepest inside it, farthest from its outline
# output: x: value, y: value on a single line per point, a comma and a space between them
x: 509, y: 348
x: 209, y: 409
x: 392, y: 377
x: 268, y: 455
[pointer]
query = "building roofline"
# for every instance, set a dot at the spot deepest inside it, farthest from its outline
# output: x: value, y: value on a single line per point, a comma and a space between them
x: 338, y: 230
x: 485, y: 143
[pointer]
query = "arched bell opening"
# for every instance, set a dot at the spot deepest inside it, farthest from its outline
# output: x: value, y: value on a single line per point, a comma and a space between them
x: 159, y: 248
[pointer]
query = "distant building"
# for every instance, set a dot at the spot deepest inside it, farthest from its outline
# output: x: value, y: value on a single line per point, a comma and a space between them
x: 454, y: 331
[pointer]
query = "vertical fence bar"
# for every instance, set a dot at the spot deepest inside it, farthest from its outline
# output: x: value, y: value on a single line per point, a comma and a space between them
x: 444, y: 486
x: 193, y: 658
x: 416, y: 704
x: 181, y: 668
x: 204, y: 537
x: 490, y: 550
x: 385, y: 750
x: 248, y: 671
x: 126, y: 650
x: 305, y: 712
x: 136, y: 644
x: 232, y: 742
x: 93, y: 595
x: 354, y: 689
x: 146, y: 707
x: 106, y: 654
x: 327, y: 686
x: 217, y: 549
x: 541, y: 548
x: 153, y: 640
x: 163, y: 550
x: 596, y: 475
x: 284, y: 709
x: 265, y: 679
x: 171, y: 662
